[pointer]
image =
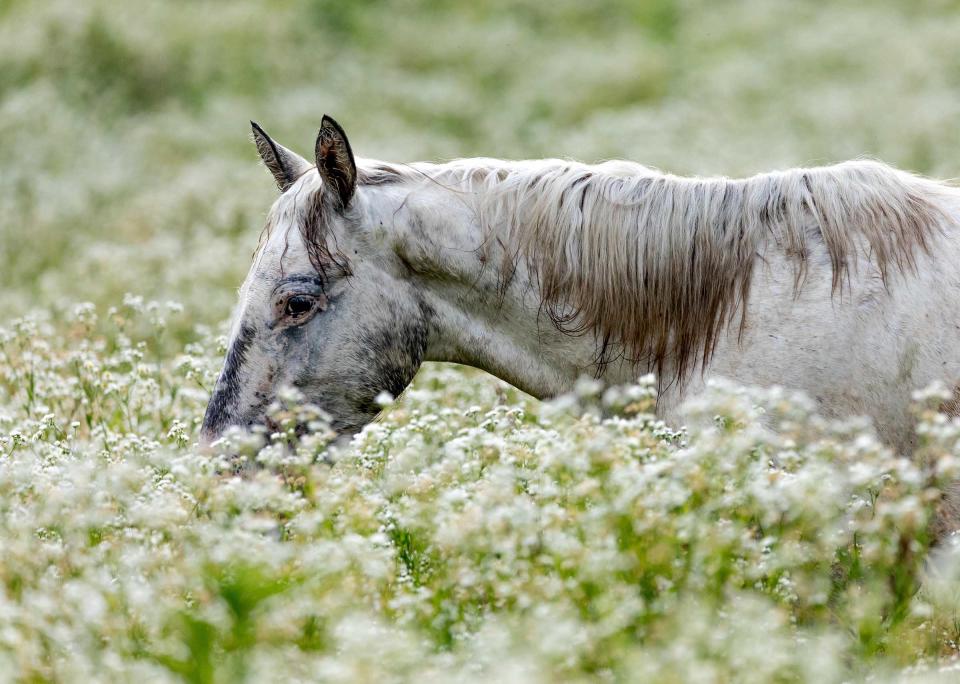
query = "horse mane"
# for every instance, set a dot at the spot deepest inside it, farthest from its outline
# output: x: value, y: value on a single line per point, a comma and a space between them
x: 656, y: 266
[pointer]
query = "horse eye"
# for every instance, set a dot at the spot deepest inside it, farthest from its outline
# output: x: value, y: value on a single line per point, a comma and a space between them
x: 298, y: 305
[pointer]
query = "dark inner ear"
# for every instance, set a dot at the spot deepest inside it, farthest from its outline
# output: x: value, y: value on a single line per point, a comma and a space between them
x: 335, y: 161
x: 286, y: 166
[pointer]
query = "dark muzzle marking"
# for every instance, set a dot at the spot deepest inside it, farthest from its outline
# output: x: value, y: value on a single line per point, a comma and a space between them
x: 223, y: 402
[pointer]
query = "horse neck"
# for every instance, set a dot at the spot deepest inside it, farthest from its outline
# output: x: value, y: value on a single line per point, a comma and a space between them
x: 485, y: 307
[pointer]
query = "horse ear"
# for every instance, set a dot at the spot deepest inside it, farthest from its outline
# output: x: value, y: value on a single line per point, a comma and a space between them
x: 285, y: 165
x: 335, y: 160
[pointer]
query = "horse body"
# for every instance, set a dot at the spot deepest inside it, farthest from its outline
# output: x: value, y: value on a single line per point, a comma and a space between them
x: 862, y: 353
x: 842, y: 282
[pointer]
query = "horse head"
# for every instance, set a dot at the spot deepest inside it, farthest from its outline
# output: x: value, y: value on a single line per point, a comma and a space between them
x: 324, y: 307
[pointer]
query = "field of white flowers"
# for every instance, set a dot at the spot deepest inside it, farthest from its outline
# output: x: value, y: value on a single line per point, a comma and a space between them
x: 473, y: 534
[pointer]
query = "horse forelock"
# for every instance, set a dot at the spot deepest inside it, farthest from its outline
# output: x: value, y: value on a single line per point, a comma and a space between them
x: 300, y: 222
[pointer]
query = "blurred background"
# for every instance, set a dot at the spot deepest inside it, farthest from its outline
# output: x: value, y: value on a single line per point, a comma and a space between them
x: 126, y: 165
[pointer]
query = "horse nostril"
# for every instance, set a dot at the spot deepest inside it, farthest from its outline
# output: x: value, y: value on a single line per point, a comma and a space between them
x: 271, y: 425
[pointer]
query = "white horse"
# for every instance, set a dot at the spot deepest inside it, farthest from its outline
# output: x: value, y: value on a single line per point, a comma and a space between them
x: 842, y: 281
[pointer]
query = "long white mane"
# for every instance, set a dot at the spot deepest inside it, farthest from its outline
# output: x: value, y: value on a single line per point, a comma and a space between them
x: 657, y: 265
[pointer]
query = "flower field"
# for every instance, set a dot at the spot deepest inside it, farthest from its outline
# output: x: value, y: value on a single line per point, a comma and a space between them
x: 473, y: 533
